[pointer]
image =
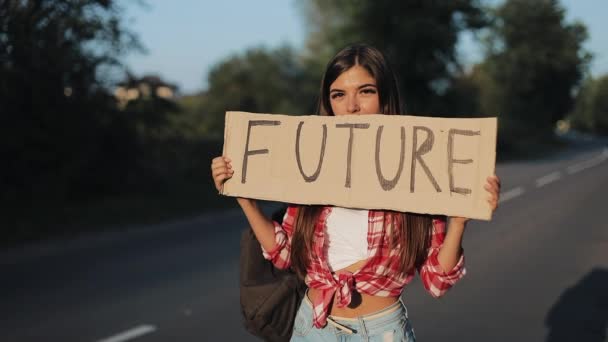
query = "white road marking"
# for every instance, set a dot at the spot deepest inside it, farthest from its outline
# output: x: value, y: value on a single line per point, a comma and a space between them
x: 511, y: 194
x: 572, y: 169
x: 130, y: 334
x: 550, y: 178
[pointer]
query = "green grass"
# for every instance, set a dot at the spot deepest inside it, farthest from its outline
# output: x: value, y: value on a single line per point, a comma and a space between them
x: 112, y: 213
x: 175, y: 184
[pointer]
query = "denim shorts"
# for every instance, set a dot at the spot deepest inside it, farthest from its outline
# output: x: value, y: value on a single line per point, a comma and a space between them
x: 388, y: 324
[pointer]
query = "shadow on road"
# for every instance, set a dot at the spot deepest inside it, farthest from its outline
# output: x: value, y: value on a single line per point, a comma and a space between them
x: 581, y: 313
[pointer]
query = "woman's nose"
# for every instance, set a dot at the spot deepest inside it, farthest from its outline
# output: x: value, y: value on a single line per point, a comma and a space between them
x: 353, y: 104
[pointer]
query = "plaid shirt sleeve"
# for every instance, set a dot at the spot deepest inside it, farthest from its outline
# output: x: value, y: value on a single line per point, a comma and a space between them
x: 280, y: 255
x: 435, y: 280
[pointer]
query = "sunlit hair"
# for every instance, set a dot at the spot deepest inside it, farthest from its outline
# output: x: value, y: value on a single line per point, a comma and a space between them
x: 378, y: 67
x: 413, y: 231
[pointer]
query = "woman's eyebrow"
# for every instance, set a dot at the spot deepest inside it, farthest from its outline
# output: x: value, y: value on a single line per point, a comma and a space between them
x: 367, y: 85
x: 359, y: 87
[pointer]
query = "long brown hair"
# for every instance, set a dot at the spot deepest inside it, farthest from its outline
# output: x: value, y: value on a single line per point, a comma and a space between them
x: 413, y: 233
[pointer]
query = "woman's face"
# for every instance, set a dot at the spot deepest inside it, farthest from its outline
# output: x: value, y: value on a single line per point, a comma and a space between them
x: 354, y: 92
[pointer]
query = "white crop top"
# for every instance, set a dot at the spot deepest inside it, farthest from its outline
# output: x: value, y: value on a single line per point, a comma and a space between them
x: 346, y: 237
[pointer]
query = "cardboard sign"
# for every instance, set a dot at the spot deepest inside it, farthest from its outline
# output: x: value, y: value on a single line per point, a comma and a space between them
x: 403, y: 163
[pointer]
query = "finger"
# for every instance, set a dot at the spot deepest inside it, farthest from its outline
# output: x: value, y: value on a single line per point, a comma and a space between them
x: 222, y: 168
x: 223, y: 177
x: 492, y: 189
x: 227, y: 163
x: 218, y: 165
x: 221, y: 161
x: 227, y: 174
x: 494, y: 179
x: 218, y: 159
x: 494, y: 186
x: 220, y: 171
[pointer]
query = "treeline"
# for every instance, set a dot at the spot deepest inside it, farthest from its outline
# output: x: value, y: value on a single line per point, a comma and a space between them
x: 534, y: 71
x: 67, y: 139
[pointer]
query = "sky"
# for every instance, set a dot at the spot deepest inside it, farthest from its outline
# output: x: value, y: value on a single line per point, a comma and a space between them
x: 185, y: 38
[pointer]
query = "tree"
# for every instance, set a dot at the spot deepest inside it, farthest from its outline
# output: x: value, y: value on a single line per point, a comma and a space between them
x: 591, y: 111
x: 419, y: 37
x: 151, y: 104
x: 534, y: 62
x: 61, y: 136
x: 260, y: 80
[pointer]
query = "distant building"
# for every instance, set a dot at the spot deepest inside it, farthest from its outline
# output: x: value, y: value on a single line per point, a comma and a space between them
x: 147, y: 87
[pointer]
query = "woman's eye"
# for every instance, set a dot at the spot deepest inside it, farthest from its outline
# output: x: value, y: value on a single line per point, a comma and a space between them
x: 336, y: 95
x: 368, y: 91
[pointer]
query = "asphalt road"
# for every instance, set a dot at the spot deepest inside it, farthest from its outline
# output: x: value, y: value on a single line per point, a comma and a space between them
x: 537, y: 272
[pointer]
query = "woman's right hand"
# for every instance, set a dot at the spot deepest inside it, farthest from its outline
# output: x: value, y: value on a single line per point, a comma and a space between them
x: 221, y: 170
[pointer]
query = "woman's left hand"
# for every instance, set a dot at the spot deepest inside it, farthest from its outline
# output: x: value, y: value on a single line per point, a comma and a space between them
x: 493, y: 188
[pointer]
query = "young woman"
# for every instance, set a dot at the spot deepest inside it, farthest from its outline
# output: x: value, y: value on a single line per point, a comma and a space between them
x: 357, y: 262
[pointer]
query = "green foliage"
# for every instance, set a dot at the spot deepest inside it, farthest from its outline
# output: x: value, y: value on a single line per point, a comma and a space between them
x: 61, y: 134
x: 534, y: 62
x: 462, y: 98
x: 591, y: 111
x: 190, y: 123
x: 260, y: 80
x: 419, y: 37
x: 150, y: 113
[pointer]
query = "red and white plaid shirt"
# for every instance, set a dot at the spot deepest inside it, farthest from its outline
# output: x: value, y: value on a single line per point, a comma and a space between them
x: 380, y: 276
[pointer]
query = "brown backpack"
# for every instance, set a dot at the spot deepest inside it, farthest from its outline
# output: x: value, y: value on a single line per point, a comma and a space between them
x: 270, y: 297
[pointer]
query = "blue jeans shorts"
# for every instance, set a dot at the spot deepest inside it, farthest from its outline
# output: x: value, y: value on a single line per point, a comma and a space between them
x: 388, y: 324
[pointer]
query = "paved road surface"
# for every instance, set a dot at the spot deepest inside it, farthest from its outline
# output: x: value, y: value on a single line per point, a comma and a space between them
x: 538, y: 271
